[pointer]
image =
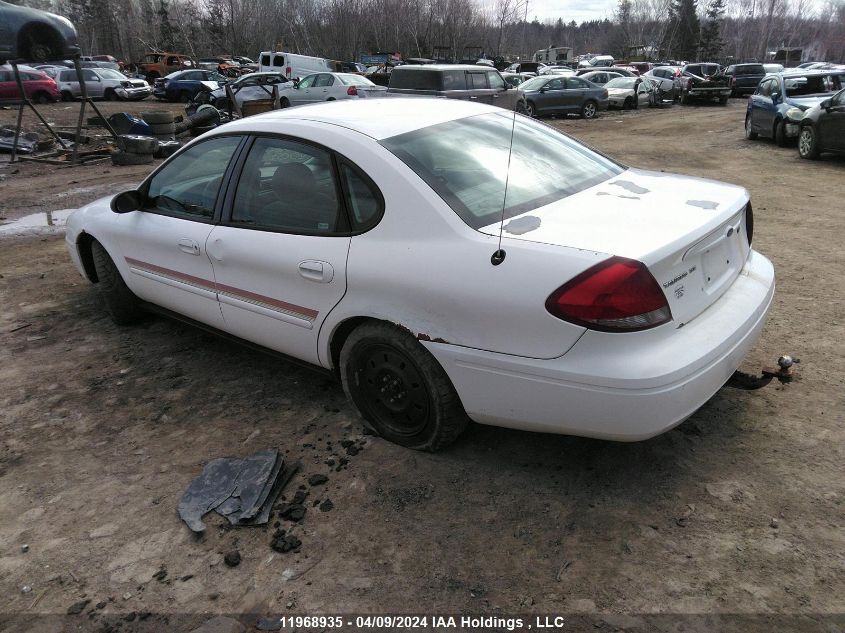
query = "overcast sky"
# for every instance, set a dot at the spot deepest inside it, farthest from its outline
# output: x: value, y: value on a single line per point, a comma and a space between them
x: 568, y: 10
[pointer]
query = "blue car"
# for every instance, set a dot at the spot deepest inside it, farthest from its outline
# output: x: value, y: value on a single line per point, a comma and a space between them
x: 183, y: 85
x: 777, y: 104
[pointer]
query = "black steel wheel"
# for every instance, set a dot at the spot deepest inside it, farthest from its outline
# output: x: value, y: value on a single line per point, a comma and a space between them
x: 399, y: 388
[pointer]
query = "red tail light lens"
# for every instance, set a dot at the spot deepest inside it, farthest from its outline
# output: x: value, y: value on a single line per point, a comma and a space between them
x: 352, y: 91
x: 604, y: 93
x: 617, y: 295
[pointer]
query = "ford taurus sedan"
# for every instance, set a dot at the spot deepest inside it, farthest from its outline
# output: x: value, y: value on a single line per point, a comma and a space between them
x: 449, y: 261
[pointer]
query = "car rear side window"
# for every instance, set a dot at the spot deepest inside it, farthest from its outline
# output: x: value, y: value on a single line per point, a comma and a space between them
x: 466, y: 163
x: 187, y: 186
x: 362, y: 197
x: 416, y: 79
x: 287, y: 186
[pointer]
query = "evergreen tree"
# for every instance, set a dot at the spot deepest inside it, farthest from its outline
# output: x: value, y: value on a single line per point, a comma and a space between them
x: 711, y: 43
x: 685, y: 29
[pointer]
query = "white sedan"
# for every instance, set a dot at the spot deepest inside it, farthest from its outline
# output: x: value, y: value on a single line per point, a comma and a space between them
x: 364, y: 237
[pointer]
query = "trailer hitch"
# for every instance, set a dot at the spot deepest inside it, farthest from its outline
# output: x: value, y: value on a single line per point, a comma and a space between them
x: 741, y: 380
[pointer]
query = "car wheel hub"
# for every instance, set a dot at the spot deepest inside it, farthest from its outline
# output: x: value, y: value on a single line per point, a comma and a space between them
x: 805, y: 142
x: 394, y: 390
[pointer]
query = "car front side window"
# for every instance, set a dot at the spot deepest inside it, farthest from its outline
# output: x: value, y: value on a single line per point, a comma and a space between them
x: 288, y: 186
x: 187, y: 186
x: 307, y: 82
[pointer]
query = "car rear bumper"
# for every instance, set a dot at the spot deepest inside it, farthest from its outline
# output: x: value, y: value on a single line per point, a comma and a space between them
x: 624, y: 387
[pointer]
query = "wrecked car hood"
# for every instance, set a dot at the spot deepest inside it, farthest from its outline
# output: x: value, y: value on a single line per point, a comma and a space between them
x: 637, y: 214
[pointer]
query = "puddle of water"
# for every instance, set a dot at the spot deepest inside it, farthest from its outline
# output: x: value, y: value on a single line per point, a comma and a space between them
x: 36, y: 224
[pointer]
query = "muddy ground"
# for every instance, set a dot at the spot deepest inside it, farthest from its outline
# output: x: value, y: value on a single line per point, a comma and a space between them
x: 732, y: 521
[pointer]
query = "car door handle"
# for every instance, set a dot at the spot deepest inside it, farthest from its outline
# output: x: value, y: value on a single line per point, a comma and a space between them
x: 187, y: 245
x: 473, y: 97
x: 314, y: 270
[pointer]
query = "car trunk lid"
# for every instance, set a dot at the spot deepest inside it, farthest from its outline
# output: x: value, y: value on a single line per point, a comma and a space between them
x: 690, y: 232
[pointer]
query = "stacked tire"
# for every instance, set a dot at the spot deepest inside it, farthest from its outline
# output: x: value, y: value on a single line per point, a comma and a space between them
x: 134, y: 149
x: 162, y: 124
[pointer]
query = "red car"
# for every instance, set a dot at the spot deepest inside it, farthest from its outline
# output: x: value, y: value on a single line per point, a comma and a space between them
x: 38, y: 85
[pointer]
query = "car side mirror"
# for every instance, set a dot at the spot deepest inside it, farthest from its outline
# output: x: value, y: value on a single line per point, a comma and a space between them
x: 826, y: 104
x: 127, y: 201
x: 543, y: 89
x: 775, y: 96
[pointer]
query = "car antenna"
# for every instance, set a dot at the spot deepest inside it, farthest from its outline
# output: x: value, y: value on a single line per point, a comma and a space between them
x: 499, y: 256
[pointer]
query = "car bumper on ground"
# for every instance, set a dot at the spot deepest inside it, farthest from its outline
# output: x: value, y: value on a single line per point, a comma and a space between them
x: 710, y: 93
x: 623, y: 387
x: 133, y: 94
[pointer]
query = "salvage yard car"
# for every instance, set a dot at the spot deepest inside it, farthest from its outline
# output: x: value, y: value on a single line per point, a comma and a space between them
x: 37, y: 85
x: 184, y: 85
x: 563, y: 95
x: 704, y: 81
x: 457, y: 81
x: 34, y: 35
x: 630, y: 92
x: 328, y: 87
x: 102, y: 83
x: 332, y: 233
x: 774, y: 109
x: 822, y: 127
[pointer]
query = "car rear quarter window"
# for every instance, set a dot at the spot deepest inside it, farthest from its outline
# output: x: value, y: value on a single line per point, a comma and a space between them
x: 416, y: 79
x: 287, y: 186
x: 466, y: 163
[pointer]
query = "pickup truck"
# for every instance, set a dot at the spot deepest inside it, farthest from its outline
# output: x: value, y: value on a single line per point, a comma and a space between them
x: 155, y: 65
x: 744, y: 77
x: 704, y: 81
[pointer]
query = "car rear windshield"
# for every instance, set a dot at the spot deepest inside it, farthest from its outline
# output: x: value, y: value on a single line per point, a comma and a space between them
x: 354, y: 80
x: 621, y: 82
x: 802, y: 86
x: 750, y: 69
x: 466, y: 163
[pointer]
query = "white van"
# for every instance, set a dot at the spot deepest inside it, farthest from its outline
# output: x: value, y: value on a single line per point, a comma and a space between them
x: 291, y: 65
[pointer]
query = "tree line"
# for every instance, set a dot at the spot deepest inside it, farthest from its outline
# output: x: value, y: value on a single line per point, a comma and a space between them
x: 707, y: 30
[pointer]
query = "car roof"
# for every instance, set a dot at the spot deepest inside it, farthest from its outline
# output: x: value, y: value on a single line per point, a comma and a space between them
x: 445, y: 67
x: 376, y: 118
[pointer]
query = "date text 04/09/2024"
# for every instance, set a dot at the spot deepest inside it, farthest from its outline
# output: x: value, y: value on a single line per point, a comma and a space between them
x: 423, y: 622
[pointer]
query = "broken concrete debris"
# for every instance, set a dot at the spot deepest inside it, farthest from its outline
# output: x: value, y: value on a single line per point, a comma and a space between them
x: 241, y: 489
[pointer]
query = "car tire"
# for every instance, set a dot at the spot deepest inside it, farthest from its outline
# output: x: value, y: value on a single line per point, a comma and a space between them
x: 284, y: 103
x: 723, y: 100
x: 121, y: 304
x: 184, y: 97
x: 124, y: 159
x: 110, y: 95
x: 137, y: 144
x: 589, y: 110
x: 67, y: 96
x: 629, y: 103
x: 42, y: 97
x: 808, y: 143
x: 157, y: 117
x: 400, y: 389
x: 750, y: 134
x: 780, y: 134
x: 530, y: 109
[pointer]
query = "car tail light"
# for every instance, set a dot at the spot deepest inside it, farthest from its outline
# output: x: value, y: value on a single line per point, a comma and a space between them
x: 617, y: 295
x: 604, y: 93
x: 288, y: 71
x: 352, y: 91
x: 749, y: 223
